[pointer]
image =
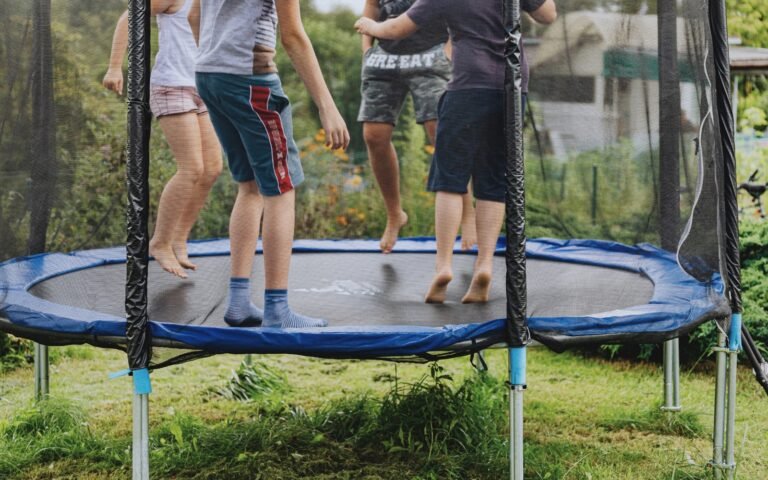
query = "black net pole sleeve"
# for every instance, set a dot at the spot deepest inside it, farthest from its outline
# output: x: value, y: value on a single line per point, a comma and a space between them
x: 725, y: 126
x: 43, y: 162
x: 669, y: 127
x: 137, y: 176
x: 517, y: 322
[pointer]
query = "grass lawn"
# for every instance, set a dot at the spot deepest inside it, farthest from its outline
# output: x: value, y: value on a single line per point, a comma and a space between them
x: 322, y: 419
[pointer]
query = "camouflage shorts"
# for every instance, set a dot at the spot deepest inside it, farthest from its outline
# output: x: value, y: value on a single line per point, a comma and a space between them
x: 387, y: 79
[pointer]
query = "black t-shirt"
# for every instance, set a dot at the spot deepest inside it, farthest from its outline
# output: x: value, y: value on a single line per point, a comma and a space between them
x: 424, y: 39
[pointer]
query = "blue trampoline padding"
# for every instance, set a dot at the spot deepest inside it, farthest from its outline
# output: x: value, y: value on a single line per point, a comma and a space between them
x: 679, y: 301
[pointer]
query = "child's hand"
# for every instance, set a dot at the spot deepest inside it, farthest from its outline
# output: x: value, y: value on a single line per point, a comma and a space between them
x: 365, y: 26
x: 336, y: 133
x: 113, y: 80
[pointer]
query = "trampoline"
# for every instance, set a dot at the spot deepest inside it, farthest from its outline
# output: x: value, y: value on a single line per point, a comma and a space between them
x: 579, y: 292
x: 630, y: 168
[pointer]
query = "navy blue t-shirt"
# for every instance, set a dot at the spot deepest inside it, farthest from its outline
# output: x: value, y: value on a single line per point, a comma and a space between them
x: 477, y: 34
x: 427, y: 37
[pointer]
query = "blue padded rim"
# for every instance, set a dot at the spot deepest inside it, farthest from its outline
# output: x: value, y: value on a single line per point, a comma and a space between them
x: 679, y: 300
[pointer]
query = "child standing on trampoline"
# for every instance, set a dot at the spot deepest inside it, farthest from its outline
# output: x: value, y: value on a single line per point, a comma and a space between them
x: 237, y: 78
x: 470, y: 126
x: 184, y: 120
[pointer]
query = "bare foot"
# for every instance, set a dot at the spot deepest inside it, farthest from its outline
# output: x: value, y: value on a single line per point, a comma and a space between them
x: 180, y: 251
x: 437, y: 290
x: 468, y: 235
x: 165, y: 257
x: 479, y: 288
x: 389, y: 238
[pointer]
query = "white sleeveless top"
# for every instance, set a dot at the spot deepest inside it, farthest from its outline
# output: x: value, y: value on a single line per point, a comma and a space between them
x: 175, y: 61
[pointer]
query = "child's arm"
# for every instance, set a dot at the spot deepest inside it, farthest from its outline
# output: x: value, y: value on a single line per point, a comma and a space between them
x: 299, y: 48
x: 546, y: 13
x: 371, y: 11
x: 392, y: 29
x: 113, y: 80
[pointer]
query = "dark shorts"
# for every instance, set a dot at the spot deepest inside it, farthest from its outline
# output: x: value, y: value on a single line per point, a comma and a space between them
x: 252, y: 118
x: 387, y: 79
x: 470, y: 144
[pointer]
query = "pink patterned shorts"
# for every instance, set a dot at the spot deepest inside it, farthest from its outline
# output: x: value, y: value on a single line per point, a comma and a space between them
x: 174, y: 100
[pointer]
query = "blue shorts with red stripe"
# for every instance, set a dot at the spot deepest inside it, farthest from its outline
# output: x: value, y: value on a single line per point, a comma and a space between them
x: 252, y: 118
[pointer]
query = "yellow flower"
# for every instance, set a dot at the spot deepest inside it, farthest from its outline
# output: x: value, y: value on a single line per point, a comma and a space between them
x: 430, y: 149
x: 320, y: 136
x: 341, y: 155
x: 351, y: 211
x: 342, y: 220
x: 361, y: 216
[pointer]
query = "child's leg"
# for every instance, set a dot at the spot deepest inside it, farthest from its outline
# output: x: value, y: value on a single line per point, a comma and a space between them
x: 279, y: 219
x: 183, y: 135
x: 468, y: 221
x: 378, y: 140
x: 211, y: 154
x: 243, y: 236
x: 244, y: 228
x: 468, y: 231
x: 490, y: 216
x: 447, y: 221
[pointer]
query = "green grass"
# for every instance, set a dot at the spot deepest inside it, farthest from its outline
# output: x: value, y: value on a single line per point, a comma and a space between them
x: 298, y: 418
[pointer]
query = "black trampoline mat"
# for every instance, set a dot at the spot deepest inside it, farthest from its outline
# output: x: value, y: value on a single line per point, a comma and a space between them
x: 357, y: 289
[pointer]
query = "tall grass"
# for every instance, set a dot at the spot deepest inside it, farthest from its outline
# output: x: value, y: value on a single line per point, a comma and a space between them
x: 432, y: 428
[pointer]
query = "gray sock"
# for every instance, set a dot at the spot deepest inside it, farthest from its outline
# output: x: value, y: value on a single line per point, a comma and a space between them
x: 241, y: 312
x: 277, y: 314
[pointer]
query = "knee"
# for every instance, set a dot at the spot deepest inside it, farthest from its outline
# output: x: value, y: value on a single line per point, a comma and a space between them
x: 211, y: 174
x: 191, y: 174
x: 376, y: 139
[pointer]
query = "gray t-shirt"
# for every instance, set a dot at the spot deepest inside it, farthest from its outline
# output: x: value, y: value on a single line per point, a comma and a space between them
x: 477, y: 34
x: 237, y: 36
x: 421, y: 41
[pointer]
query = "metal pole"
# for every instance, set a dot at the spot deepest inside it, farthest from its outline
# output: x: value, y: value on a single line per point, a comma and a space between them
x: 516, y: 433
x: 734, y: 346
x: 676, y: 375
x: 42, y: 372
x: 672, y: 376
x: 718, y: 432
x: 141, y: 437
x: 138, y: 333
x: 594, y: 194
x: 730, y: 427
x: 517, y: 385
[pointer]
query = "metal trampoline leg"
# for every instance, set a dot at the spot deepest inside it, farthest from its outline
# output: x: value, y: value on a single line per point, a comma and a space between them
x: 672, y: 376
x: 719, y: 427
x: 42, y: 372
x: 517, y: 385
x: 724, y: 461
x: 141, y: 437
x: 730, y: 428
x: 734, y: 346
